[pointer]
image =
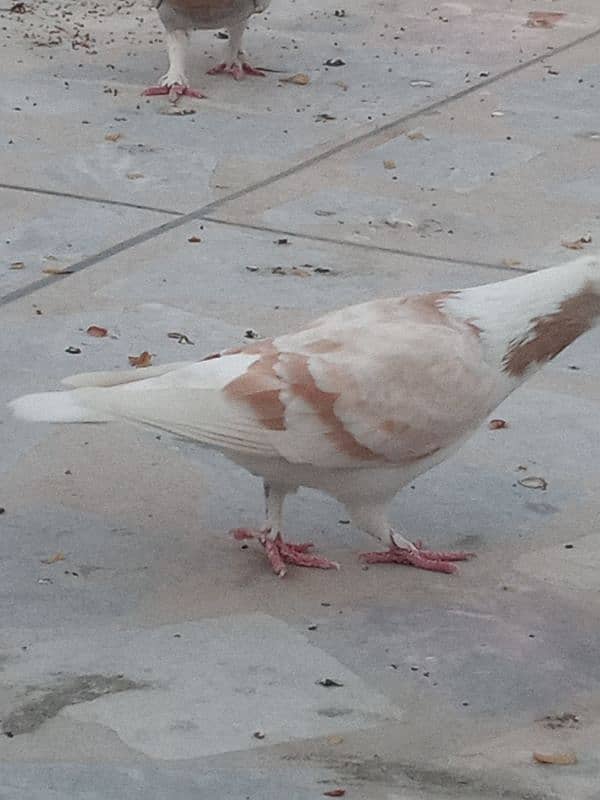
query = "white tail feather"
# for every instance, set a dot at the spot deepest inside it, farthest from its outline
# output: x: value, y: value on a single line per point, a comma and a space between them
x: 55, y: 407
x: 118, y: 377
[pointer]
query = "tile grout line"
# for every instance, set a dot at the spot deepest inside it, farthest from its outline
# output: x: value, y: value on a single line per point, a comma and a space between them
x: 88, y: 199
x: 332, y: 151
x: 315, y: 237
x: 207, y: 209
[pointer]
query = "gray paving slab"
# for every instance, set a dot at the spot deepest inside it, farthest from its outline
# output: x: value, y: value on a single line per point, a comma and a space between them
x: 86, y: 70
x: 193, y: 689
x: 51, y: 233
x: 527, y: 146
x: 122, y: 566
x: 141, y: 647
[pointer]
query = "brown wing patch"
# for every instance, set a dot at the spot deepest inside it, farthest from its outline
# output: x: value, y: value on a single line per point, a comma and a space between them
x: 260, y: 386
x: 324, y: 346
x: 550, y: 334
x: 431, y: 305
x: 301, y: 383
x: 394, y: 427
x: 427, y: 308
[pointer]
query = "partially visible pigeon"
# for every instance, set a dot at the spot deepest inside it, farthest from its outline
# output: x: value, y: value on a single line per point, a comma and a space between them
x: 181, y: 16
x: 357, y: 404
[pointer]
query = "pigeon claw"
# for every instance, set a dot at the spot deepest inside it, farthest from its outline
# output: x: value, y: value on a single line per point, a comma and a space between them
x: 174, y: 91
x: 430, y: 560
x: 238, y: 71
x: 280, y: 553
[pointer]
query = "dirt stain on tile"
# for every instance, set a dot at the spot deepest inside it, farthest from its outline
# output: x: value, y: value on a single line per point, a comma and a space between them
x: 48, y: 701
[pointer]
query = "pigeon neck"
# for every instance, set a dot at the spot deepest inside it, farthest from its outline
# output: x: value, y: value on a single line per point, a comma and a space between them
x: 527, y: 321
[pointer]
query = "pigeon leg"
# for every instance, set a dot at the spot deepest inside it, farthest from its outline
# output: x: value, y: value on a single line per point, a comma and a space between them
x: 401, y: 551
x: 280, y: 553
x: 175, y: 83
x: 236, y: 66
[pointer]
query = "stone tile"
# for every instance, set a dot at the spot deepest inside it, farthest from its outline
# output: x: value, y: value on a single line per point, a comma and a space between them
x: 488, y: 196
x: 143, y: 526
x: 44, y: 232
x: 88, y: 84
x: 155, y: 782
x: 202, y: 688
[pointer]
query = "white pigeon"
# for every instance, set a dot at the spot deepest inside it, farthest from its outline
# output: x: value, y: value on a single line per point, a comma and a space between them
x: 181, y: 16
x: 358, y: 403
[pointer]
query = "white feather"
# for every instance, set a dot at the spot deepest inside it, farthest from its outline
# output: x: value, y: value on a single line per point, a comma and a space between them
x: 55, y: 407
x: 118, y: 377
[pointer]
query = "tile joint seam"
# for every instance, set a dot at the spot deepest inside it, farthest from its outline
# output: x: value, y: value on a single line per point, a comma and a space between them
x: 204, y: 211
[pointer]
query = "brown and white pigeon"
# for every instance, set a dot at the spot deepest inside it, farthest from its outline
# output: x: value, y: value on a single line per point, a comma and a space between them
x: 358, y: 403
x: 181, y: 16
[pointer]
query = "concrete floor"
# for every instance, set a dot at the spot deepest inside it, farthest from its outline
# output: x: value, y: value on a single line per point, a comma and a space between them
x: 144, y: 663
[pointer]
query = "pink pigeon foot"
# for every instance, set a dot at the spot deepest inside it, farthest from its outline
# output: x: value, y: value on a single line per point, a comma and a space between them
x: 432, y: 560
x: 237, y: 70
x: 281, y: 553
x: 174, y: 91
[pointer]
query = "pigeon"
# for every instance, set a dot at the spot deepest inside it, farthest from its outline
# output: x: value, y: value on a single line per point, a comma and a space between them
x: 181, y: 16
x: 358, y: 403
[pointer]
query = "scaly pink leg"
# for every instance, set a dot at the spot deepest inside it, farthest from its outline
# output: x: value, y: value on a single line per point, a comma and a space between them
x: 432, y: 560
x: 174, y: 91
x: 281, y: 553
x: 238, y: 71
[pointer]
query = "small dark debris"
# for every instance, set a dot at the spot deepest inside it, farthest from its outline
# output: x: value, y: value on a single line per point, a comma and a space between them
x: 75, y: 351
x: 497, y: 424
x: 282, y: 241
x: 2, y: 510
x: 258, y: 735
x: 335, y: 62
x: 329, y: 683
x: 181, y: 337
x: 312, y: 627
x: 569, y: 546
x: 566, y: 720
x: 250, y: 334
